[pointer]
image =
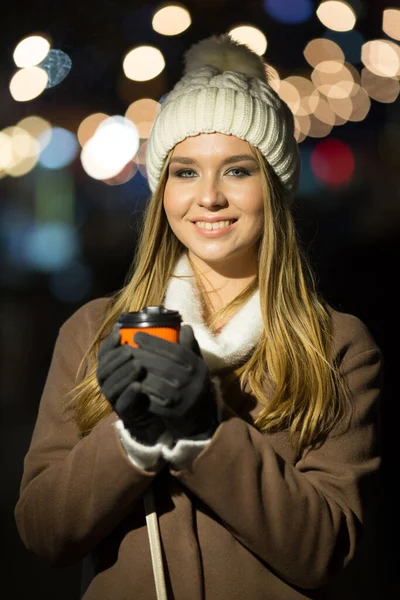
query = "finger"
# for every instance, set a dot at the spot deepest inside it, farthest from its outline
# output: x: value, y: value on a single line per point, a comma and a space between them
x: 160, y: 364
x: 188, y: 340
x: 112, y: 361
x: 110, y: 342
x: 163, y: 389
x: 161, y: 347
x: 132, y: 402
x: 115, y: 385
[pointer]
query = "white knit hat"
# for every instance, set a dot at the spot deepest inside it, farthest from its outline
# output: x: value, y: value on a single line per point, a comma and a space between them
x: 224, y: 89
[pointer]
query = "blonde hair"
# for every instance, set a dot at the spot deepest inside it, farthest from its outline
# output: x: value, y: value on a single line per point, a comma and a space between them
x: 294, y: 353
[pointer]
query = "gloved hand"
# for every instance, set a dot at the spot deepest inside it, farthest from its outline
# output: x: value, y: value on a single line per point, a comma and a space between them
x: 178, y: 384
x: 119, y: 378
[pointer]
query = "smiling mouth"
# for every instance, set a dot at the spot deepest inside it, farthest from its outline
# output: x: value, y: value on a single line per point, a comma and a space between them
x: 218, y: 231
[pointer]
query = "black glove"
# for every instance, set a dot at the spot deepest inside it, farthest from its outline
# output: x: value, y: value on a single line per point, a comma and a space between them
x: 178, y: 384
x: 119, y: 378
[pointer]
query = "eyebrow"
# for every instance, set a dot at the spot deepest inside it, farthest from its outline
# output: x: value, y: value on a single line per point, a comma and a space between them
x: 185, y: 160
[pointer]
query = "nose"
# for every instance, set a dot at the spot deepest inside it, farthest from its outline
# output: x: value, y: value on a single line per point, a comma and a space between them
x: 210, y: 194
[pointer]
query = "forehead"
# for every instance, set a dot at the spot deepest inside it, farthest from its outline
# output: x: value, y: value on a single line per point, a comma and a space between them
x: 211, y: 143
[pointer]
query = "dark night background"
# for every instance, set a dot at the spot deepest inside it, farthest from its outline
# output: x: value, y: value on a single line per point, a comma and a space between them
x: 351, y: 233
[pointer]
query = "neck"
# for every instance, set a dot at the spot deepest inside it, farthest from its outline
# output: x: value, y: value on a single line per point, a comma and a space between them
x: 218, y: 284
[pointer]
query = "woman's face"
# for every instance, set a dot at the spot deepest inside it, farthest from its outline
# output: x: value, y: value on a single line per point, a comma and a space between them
x: 213, y: 177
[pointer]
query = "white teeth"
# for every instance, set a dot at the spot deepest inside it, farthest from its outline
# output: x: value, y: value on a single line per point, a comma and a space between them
x: 217, y: 225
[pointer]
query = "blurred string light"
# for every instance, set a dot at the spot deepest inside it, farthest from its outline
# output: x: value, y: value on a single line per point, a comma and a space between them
x: 143, y: 63
x: 61, y: 151
x: 88, y: 127
x: 28, y: 83
x: 333, y: 163
x: 381, y: 57
x: 171, y: 20
x: 289, y: 11
x: 349, y: 41
x: 111, y: 148
x: 391, y: 22
x: 336, y: 15
x: 251, y: 36
x: 57, y: 65
x: 142, y: 113
x: 31, y: 51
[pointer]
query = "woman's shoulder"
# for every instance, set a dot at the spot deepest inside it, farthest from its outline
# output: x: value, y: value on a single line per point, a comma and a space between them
x: 87, y: 319
x: 351, y: 336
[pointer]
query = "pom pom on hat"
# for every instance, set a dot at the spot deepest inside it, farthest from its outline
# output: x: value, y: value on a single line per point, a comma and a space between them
x: 225, y: 54
x: 225, y: 89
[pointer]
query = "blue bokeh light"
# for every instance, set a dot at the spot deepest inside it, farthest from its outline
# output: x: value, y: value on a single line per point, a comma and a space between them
x: 289, y: 11
x: 61, y: 151
x: 50, y: 246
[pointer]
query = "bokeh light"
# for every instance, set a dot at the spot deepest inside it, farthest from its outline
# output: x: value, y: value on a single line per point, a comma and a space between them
x: 251, y: 36
x: 50, y: 246
x: 381, y: 57
x: 171, y: 20
x: 332, y: 162
x: 88, y: 127
x: 142, y: 113
x: 20, y: 153
x: 382, y: 89
x: 57, y: 65
x: 31, y: 51
x: 143, y: 63
x: 333, y: 79
x: 322, y: 49
x: 391, y: 22
x: 350, y: 42
x: 28, y: 83
x: 38, y: 128
x: 336, y: 15
x: 112, y: 147
x: 289, y: 11
x: 61, y: 151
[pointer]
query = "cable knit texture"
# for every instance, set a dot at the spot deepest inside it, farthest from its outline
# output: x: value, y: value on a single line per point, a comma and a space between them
x: 227, y: 96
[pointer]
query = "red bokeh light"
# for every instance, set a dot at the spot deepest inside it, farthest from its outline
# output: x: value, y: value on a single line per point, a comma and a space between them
x: 332, y: 162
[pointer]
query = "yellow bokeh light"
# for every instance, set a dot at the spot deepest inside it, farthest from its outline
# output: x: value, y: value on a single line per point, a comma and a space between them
x: 251, y: 36
x: 6, y: 151
x: 381, y: 57
x: 143, y: 112
x: 143, y: 63
x: 302, y: 126
x: 88, y: 127
x: 307, y: 92
x: 391, y: 23
x: 31, y: 51
x: 273, y: 77
x: 22, y: 152
x: 361, y: 105
x: 382, y: 89
x: 38, y: 128
x: 336, y: 15
x: 171, y: 20
x: 321, y: 49
x: 289, y: 94
x: 333, y: 79
x: 28, y: 83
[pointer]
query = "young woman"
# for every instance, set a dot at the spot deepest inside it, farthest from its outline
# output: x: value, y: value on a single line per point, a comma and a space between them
x: 257, y: 435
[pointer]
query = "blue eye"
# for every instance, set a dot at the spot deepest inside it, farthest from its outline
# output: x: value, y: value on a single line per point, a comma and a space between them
x: 241, y: 172
x: 183, y: 173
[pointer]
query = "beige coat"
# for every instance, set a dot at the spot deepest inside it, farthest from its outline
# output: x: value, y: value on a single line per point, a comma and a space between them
x: 246, y: 521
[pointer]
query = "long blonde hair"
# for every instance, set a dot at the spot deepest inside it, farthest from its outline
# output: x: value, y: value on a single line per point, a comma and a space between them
x: 294, y: 353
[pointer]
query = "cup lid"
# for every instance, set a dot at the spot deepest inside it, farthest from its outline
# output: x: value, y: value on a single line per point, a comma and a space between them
x: 150, y: 316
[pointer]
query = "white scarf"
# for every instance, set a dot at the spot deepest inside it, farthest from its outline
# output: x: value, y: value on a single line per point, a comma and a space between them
x: 240, y: 334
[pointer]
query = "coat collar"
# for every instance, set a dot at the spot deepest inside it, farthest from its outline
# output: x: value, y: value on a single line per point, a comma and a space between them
x: 237, y: 337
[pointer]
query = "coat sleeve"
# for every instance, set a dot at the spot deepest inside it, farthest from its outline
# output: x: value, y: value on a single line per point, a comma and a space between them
x: 74, y: 489
x: 303, y: 520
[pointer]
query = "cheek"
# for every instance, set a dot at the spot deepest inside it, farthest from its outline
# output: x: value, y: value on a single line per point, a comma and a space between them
x: 175, y: 203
